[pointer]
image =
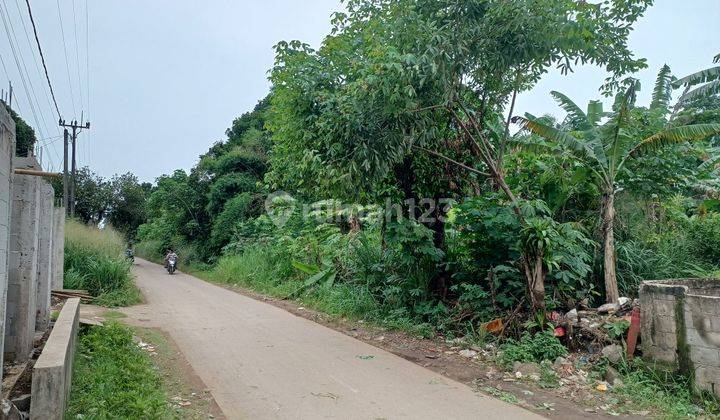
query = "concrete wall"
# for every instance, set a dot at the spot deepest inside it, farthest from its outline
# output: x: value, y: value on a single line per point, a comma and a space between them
x: 7, y: 153
x: 45, y: 254
x: 22, y: 273
x: 681, y: 328
x: 52, y: 374
x: 58, y: 256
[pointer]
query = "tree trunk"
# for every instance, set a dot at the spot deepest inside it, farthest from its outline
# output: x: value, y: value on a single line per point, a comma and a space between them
x: 535, y: 276
x: 608, y: 220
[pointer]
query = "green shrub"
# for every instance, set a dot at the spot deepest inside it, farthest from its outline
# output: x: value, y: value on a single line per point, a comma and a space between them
x: 113, y: 378
x: 531, y: 348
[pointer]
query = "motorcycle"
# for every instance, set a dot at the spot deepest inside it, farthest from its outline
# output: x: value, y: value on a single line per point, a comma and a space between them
x: 171, y: 264
x: 130, y: 255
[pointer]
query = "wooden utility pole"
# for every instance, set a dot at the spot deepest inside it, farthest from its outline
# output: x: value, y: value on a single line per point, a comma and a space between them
x: 69, y: 190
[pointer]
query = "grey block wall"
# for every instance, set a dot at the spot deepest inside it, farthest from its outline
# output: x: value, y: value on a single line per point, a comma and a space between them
x: 22, y: 268
x: 52, y: 373
x: 58, y: 256
x: 680, y: 327
x: 45, y: 254
x: 7, y: 153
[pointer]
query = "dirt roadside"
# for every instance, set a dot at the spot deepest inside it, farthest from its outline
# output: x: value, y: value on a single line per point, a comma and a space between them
x: 443, y: 358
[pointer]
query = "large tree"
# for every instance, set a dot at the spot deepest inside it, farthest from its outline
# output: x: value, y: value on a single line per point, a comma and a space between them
x: 409, y: 94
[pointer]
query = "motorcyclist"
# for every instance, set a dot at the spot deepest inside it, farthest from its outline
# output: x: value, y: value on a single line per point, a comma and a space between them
x: 168, y: 255
x: 129, y: 254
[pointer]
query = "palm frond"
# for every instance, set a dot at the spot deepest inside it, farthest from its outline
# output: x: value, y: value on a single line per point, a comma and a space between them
x: 702, y: 76
x: 576, y: 118
x: 553, y: 134
x: 676, y: 135
x: 663, y: 89
x: 595, y: 112
x: 711, y: 162
x: 533, y: 145
x: 616, y: 140
x: 708, y: 89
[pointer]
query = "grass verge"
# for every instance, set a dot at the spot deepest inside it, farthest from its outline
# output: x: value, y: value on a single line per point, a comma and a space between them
x: 113, y: 378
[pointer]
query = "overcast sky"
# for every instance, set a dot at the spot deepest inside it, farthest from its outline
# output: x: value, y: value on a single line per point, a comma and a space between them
x: 167, y: 77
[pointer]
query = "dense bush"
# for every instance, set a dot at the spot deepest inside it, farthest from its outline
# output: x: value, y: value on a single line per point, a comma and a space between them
x: 95, y: 261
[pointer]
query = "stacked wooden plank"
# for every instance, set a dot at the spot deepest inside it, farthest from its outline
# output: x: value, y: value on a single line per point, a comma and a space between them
x: 71, y: 293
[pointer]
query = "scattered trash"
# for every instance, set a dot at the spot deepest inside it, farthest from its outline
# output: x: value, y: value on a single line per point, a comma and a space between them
x: 494, y: 326
x: 608, y: 308
x: 602, y: 387
x: 546, y: 406
x: 613, y: 353
x: 572, y: 316
x: 468, y: 353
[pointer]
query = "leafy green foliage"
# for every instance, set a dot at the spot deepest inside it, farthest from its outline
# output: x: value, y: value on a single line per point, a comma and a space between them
x: 531, y: 348
x: 25, y: 138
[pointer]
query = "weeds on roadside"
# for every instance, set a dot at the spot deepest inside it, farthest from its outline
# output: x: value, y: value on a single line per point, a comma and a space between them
x: 113, y: 378
x: 531, y: 348
x: 668, y: 394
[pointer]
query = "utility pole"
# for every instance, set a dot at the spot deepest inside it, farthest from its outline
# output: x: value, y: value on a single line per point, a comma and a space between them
x: 69, y: 190
x: 65, y: 170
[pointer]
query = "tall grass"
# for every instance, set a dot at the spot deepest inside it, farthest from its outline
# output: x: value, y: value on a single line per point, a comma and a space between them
x: 95, y: 261
x: 268, y: 269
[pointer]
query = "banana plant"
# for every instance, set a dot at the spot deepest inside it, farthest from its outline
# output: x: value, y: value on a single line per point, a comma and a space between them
x: 604, y: 148
x: 705, y: 82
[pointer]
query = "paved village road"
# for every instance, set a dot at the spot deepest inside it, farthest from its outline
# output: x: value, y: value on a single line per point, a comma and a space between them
x: 261, y: 362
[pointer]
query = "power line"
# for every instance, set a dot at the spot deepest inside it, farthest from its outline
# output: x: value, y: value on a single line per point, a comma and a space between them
x: 77, y: 54
x: 20, y: 63
x: 35, y: 61
x: 45, y: 90
x: 26, y: 79
x: 42, y: 57
x: 87, y: 76
x: 67, y: 64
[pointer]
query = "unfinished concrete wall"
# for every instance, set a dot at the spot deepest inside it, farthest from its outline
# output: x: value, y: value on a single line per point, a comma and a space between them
x: 7, y: 153
x: 681, y: 328
x: 58, y: 256
x: 22, y: 267
x: 45, y: 254
x: 52, y: 374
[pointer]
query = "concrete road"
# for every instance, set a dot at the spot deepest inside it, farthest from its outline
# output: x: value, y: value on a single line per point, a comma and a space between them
x: 261, y: 362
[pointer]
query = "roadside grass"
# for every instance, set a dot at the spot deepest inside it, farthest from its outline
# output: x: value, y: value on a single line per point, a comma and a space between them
x: 94, y: 261
x: 667, y: 395
x: 113, y: 378
x: 263, y: 271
